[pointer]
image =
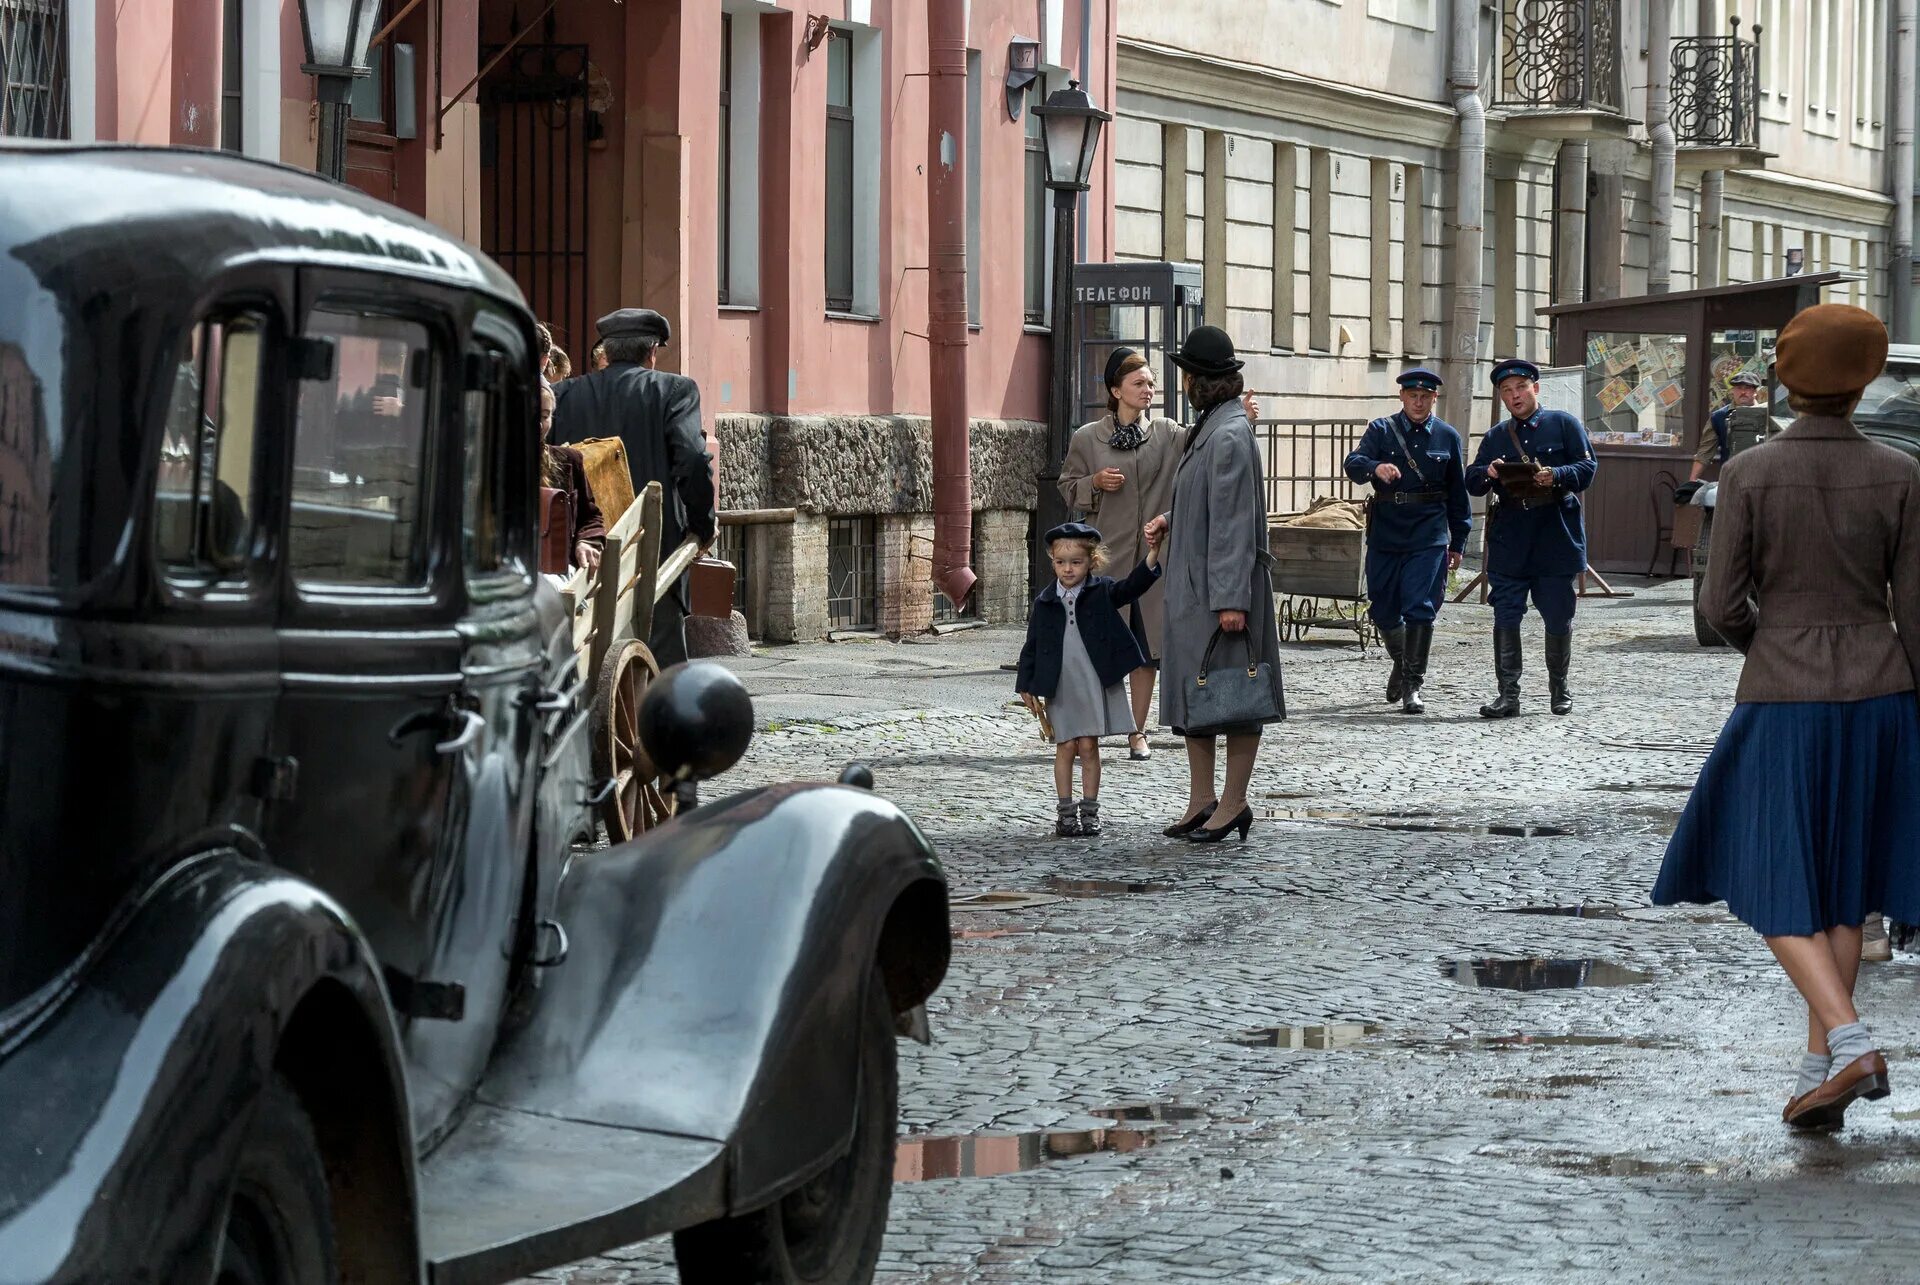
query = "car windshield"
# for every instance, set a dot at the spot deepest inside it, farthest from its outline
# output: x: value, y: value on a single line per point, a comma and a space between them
x: 1892, y: 400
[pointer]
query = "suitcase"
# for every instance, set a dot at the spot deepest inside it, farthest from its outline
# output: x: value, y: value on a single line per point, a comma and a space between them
x: 556, y: 530
x: 609, y: 476
x: 711, y: 588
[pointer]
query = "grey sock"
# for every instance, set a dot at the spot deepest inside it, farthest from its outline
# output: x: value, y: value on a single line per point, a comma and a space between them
x: 1813, y: 1072
x: 1849, y: 1042
x: 1066, y: 805
x: 1091, y: 806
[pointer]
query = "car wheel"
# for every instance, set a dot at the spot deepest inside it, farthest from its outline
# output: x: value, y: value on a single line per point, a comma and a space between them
x: 827, y: 1231
x: 279, y: 1226
x: 1703, y: 633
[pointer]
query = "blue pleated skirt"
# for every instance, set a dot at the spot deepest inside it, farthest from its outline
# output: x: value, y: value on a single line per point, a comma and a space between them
x: 1806, y: 817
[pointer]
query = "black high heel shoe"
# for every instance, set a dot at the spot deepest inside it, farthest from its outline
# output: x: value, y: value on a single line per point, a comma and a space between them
x: 1242, y: 823
x: 1199, y: 819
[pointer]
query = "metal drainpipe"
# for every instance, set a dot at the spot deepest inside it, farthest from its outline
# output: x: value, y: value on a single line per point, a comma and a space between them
x: 1470, y: 209
x: 1660, y: 131
x: 1900, y: 263
x: 1713, y: 206
x: 947, y: 298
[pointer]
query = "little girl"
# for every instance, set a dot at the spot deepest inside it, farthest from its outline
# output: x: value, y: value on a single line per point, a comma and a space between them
x: 1077, y: 652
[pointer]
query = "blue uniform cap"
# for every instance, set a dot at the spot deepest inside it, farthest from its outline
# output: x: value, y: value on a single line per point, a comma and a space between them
x: 1422, y: 378
x: 1514, y: 366
x: 1071, y: 531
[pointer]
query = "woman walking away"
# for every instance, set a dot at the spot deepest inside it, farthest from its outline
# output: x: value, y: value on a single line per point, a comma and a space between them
x: 1807, y: 816
x: 1119, y: 473
x: 1220, y: 661
x: 1078, y: 649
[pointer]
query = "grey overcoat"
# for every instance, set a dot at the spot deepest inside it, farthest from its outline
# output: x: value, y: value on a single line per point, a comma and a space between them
x: 1120, y: 515
x: 1216, y: 560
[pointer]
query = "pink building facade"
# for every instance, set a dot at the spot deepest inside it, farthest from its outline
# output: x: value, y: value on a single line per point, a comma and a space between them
x: 756, y: 170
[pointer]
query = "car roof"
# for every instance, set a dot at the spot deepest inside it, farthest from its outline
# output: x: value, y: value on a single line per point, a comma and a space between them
x: 186, y: 214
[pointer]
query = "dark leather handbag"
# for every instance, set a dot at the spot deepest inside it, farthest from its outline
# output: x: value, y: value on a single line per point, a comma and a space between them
x: 1236, y: 695
x: 556, y: 530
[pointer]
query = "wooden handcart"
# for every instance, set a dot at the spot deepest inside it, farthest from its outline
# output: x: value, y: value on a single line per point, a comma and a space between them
x: 612, y: 610
x: 1319, y: 581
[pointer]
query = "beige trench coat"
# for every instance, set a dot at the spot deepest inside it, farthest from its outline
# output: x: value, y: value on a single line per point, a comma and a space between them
x: 1121, y: 514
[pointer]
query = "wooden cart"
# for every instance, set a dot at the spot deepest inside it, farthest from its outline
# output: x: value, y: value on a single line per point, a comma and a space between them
x: 1319, y: 581
x: 612, y: 611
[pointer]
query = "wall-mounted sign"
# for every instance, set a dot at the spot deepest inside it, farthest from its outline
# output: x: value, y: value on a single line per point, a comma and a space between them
x: 1023, y: 68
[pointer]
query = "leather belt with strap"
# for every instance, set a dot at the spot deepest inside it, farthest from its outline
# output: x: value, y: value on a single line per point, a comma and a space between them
x: 1531, y: 501
x: 1414, y: 497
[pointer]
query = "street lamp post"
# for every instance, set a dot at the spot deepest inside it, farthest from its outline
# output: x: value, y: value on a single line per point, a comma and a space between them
x: 1071, y: 125
x: 336, y: 34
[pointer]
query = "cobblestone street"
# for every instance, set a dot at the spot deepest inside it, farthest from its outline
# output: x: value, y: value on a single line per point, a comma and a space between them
x: 1323, y: 1090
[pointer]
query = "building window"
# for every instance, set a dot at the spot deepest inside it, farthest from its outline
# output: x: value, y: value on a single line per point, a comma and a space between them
x: 33, y: 69
x: 1776, y: 56
x: 850, y: 573
x: 1407, y: 13
x: 232, y: 87
x: 1036, y: 200
x: 1869, y: 71
x: 840, y: 178
x: 726, y: 155
x: 1823, y: 66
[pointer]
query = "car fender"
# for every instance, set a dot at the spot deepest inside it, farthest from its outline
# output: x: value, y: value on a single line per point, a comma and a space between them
x: 1704, y: 497
x: 716, y: 972
x: 130, y: 1092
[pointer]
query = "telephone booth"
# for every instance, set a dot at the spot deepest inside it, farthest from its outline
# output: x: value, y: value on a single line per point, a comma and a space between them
x: 1149, y: 307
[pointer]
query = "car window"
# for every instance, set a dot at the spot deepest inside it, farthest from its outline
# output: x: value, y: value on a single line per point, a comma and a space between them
x: 204, y: 497
x: 360, y: 483
x: 1893, y: 398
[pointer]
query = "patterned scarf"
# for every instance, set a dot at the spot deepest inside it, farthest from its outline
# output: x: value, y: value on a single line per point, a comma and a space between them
x: 1128, y: 437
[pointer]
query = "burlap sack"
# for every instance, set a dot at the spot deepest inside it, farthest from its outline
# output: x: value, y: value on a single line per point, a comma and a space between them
x: 609, y: 475
x: 1328, y: 513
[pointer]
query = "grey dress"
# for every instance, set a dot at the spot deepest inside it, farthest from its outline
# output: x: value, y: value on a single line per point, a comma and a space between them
x: 1217, y: 560
x: 1080, y: 706
x: 1120, y: 515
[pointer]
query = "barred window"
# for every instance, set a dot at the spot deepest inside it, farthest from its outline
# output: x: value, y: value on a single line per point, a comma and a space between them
x: 33, y: 69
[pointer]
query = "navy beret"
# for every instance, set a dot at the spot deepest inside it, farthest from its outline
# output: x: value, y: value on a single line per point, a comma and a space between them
x: 1421, y: 377
x: 640, y: 323
x: 1114, y: 359
x: 1072, y: 531
x: 1749, y: 379
x: 1514, y: 366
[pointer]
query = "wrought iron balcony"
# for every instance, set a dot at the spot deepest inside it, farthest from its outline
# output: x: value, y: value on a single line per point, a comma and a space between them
x: 1560, y: 56
x: 1716, y: 90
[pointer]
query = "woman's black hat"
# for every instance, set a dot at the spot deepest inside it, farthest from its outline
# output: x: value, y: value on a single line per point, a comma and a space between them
x: 1114, y: 359
x: 1207, y: 351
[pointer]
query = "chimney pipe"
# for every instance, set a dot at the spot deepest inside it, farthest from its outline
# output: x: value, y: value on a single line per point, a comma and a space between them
x: 947, y: 297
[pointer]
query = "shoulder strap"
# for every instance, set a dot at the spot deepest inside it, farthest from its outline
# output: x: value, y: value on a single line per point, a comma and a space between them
x: 1413, y: 461
x: 1514, y: 435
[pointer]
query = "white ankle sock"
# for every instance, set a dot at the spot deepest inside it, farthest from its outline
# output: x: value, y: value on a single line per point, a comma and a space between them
x: 1849, y: 1042
x: 1813, y: 1072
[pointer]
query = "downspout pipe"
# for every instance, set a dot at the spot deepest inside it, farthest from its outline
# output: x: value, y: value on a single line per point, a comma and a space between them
x: 1470, y: 208
x: 1900, y: 263
x: 947, y: 299
x: 1660, y: 131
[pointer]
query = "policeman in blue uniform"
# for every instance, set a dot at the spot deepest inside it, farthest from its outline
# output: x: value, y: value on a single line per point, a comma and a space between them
x: 1744, y: 388
x: 1533, y: 465
x: 1416, y: 527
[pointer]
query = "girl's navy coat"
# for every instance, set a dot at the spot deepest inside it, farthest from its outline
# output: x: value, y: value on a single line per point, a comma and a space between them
x: 1110, y: 644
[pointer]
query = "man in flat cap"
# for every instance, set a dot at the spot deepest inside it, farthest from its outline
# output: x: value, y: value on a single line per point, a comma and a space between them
x: 1417, y: 526
x: 656, y: 414
x: 1716, y: 445
x: 1533, y: 466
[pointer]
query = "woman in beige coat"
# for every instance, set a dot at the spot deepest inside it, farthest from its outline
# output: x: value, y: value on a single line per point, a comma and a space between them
x: 1119, y: 473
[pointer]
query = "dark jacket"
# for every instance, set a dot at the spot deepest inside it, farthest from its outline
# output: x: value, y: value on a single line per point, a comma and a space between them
x: 1110, y: 644
x: 589, y: 523
x: 1815, y: 572
x: 1441, y: 471
x: 656, y: 414
x: 1548, y: 539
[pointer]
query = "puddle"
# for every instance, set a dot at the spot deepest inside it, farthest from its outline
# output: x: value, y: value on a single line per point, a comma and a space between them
x: 1605, y: 1166
x: 1101, y: 887
x: 1663, y: 747
x: 1584, y: 910
x: 987, y: 934
x: 1523, y: 1040
x: 1645, y: 787
x: 1526, y: 1095
x: 1411, y: 823
x: 986, y: 1155
x: 1155, y: 1112
x: 995, y: 899
x: 1331, y: 1035
x: 1541, y: 974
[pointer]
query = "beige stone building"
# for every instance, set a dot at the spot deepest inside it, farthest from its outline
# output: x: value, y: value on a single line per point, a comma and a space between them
x: 1305, y: 151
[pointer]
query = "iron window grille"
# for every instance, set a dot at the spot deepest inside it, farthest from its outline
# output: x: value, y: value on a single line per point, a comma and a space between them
x: 1304, y: 458
x: 851, y: 582
x: 1716, y: 91
x: 1561, y: 54
x: 731, y: 546
x: 840, y: 202
x: 34, y: 85
x: 726, y: 156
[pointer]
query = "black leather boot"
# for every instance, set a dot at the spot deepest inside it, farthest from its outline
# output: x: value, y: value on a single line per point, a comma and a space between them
x: 1559, y: 656
x: 1419, y: 643
x: 1396, y: 644
x: 1506, y: 667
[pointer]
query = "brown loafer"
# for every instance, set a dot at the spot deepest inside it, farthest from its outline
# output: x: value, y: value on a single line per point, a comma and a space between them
x: 1825, y: 1108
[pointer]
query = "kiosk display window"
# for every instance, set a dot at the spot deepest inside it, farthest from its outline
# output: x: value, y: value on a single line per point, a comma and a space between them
x: 1636, y: 384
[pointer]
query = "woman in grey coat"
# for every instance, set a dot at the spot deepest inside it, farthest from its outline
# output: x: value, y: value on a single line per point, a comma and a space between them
x: 1217, y: 580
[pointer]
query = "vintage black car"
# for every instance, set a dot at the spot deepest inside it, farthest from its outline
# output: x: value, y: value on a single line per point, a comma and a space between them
x: 301, y: 978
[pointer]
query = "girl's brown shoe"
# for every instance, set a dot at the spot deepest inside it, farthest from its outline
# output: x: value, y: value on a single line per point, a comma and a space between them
x: 1825, y: 1108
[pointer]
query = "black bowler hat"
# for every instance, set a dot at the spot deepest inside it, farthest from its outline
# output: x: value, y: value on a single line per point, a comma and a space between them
x: 1514, y: 366
x: 1114, y: 359
x: 638, y: 323
x: 1207, y: 351
x: 1071, y: 531
x: 1422, y: 379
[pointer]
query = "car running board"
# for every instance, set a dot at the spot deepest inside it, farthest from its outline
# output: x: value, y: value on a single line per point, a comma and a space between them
x: 509, y: 1193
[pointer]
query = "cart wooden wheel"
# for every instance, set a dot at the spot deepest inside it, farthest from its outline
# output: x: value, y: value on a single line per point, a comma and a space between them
x: 641, y: 797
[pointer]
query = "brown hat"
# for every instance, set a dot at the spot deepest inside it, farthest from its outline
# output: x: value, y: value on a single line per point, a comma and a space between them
x: 1830, y: 350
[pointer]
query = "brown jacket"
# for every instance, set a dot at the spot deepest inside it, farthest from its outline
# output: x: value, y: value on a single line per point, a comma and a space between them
x: 1815, y: 561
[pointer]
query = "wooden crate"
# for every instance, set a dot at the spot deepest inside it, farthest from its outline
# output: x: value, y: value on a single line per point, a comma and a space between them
x: 1310, y: 562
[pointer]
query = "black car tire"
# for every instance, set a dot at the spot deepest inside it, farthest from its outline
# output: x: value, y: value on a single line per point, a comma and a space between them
x: 279, y: 1225
x: 1703, y: 633
x: 828, y: 1231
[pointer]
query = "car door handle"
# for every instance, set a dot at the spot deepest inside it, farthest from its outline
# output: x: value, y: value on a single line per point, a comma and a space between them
x: 552, y: 702
x: 469, y: 732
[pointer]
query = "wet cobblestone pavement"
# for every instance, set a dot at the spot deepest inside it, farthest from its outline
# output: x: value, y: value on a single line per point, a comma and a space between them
x: 1353, y: 1098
